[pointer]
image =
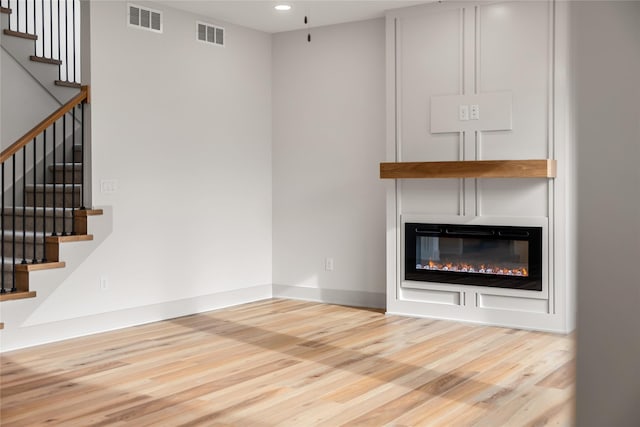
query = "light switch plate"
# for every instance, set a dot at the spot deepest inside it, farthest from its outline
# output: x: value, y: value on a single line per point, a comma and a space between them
x: 109, y: 185
x: 464, y: 113
x: 497, y: 112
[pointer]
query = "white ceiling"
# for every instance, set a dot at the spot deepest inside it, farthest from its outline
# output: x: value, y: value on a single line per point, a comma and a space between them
x: 260, y: 14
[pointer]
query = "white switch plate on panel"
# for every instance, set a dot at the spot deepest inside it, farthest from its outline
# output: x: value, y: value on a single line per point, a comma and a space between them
x: 474, y: 112
x: 448, y: 112
x: 464, y: 113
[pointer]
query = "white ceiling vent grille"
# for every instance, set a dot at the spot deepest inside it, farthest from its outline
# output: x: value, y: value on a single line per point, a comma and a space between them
x: 208, y: 33
x: 145, y: 18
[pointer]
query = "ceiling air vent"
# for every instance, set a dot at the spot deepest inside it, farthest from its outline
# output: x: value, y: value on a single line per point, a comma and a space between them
x: 145, y: 18
x: 209, y: 33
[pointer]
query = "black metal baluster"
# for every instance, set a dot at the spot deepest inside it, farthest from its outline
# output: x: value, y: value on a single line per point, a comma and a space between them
x: 82, y: 206
x: 17, y: 16
x: 13, y: 266
x: 73, y: 171
x: 66, y: 37
x: 50, y: 28
x: 73, y: 10
x: 54, y: 181
x: 3, y: 289
x: 42, y: 42
x: 34, y: 260
x: 44, y: 196
x: 24, y: 204
x: 64, y: 177
x: 59, y: 49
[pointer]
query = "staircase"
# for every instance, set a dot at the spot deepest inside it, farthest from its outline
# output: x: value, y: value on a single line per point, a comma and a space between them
x: 43, y: 176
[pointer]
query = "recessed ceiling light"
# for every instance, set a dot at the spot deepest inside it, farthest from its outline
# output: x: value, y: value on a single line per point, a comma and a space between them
x: 282, y: 7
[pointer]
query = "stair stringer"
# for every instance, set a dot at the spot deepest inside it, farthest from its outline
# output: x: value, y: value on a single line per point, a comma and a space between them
x: 24, y: 321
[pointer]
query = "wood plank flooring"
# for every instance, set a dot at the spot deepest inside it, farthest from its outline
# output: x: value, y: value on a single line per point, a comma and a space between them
x: 293, y: 363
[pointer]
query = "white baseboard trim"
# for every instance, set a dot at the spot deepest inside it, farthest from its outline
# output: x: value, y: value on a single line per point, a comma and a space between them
x: 16, y: 337
x: 331, y: 296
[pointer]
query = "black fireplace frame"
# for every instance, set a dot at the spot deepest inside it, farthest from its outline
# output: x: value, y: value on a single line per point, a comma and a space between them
x: 533, y: 235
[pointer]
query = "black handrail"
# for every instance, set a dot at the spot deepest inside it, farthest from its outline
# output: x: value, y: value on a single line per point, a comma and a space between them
x: 56, y: 27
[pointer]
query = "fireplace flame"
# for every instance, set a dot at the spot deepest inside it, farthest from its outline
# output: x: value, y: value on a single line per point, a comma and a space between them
x: 473, y: 269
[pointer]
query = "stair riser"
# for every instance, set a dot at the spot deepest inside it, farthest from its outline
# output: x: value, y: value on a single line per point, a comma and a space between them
x: 77, y: 156
x: 68, y: 177
x: 68, y: 200
x: 26, y: 252
x: 29, y: 221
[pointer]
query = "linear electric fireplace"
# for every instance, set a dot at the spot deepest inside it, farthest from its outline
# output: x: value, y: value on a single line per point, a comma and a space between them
x: 497, y: 256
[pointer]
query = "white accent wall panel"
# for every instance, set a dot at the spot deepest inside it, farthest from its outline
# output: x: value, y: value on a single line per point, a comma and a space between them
x: 429, y: 63
x: 513, y: 50
x: 445, y: 53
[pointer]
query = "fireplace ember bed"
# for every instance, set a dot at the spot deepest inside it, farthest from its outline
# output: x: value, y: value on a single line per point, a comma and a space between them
x: 496, y: 256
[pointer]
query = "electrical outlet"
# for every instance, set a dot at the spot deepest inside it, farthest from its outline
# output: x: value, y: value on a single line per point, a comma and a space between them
x: 104, y: 284
x: 464, y: 113
x: 474, y: 112
x: 328, y: 264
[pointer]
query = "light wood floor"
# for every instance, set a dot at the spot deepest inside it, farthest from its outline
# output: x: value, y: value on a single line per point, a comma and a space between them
x: 293, y: 363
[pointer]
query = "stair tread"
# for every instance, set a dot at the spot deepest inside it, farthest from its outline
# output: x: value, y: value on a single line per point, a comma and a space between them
x: 45, y: 60
x: 68, y: 212
x: 8, y: 263
x: 39, y: 235
x: 21, y: 34
x: 58, y: 166
x: 6, y: 10
x: 47, y: 265
x: 70, y: 238
x: 68, y: 84
x: 17, y: 295
x: 40, y: 187
x: 88, y: 212
x: 28, y: 236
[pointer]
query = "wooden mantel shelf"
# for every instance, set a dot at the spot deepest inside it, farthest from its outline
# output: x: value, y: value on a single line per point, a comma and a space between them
x: 544, y: 168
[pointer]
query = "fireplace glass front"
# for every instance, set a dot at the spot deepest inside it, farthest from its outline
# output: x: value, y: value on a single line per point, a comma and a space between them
x: 497, y: 256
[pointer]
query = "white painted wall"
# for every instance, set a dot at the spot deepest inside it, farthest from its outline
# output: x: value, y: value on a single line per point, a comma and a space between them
x: 185, y: 129
x: 328, y: 141
x: 606, y: 47
x: 24, y: 101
